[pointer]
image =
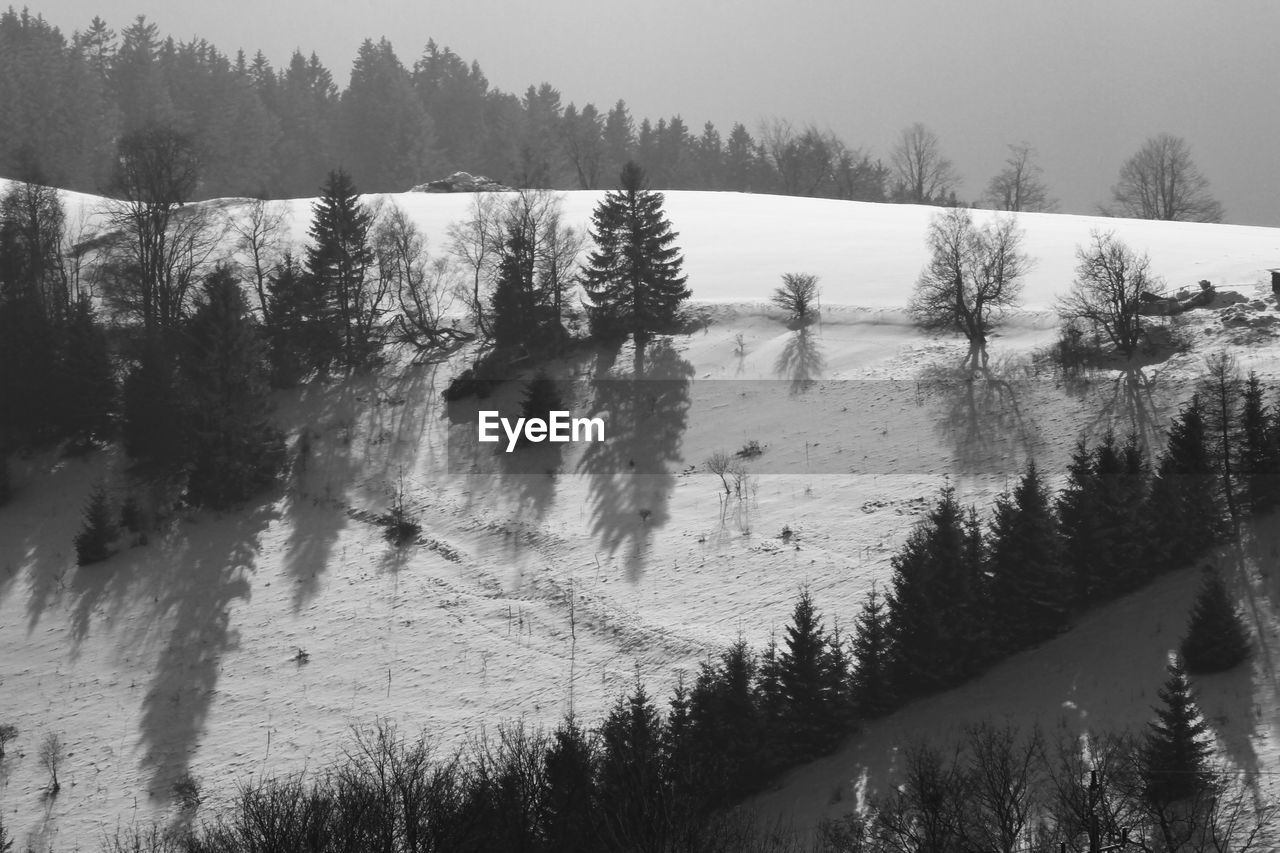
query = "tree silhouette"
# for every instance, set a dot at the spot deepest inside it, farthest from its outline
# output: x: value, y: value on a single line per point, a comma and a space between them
x: 1216, y: 638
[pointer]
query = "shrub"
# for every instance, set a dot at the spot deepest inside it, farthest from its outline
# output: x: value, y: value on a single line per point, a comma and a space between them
x: 186, y: 792
x: 750, y: 450
x: 8, y: 732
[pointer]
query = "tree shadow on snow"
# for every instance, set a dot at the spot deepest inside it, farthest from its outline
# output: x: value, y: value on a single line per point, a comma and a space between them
x: 339, y: 428
x: 1128, y: 403
x: 195, y: 581
x: 801, y: 361
x: 38, y: 528
x: 631, y: 473
x: 980, y: 413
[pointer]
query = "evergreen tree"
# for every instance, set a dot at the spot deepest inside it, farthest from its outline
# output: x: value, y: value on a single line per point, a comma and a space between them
x: 86, y: 379
x: 541, y: 399
x: 633, y: 278
x: 1079, y: 518
x: 235, y: 450
x: 98, y: 533
x: 340, y: 263
x: 805, y: 681
x: 872, y: 684
x: 727, y: 727
x: 933, y: 602
x: 1186, y: 518
x: 1175, y: 752
x: 1216, y: 639
x: 6, y: 479
x: 1029, y: 588
x: 632, y: 802
x: 519, y: 314
x: 300, y: 332
x: 154, y: 410
x: 1260, y: 449
x: 569, y: 796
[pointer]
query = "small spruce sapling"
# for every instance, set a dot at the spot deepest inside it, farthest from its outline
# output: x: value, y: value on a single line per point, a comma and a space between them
x: 541, y: 399
x: 95, y: 539
x: 1216, y: 638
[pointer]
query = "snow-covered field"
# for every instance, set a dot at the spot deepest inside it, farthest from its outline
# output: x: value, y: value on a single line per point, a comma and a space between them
x: 555, y: 580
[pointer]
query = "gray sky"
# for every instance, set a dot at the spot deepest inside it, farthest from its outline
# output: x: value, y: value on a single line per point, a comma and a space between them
x: 1085, y: 82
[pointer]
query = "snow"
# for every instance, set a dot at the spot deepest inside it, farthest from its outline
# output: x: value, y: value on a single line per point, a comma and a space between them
x: 532, y: 591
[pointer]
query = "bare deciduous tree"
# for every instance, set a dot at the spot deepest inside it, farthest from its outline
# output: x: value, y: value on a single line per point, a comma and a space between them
x: 973, y: 275
x: 1019, y: 187
x: 162, y: 246
x: 923, y: 175
x: 796, y: 296
x: 1111, y: 281
x: 51, y: 754
x: 477, y: 243
x: 259, y: 234
x: 424, y: 288
x: 1160, y: 181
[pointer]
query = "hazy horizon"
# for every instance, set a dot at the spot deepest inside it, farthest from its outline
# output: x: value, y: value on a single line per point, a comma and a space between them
x: 1084, y: 83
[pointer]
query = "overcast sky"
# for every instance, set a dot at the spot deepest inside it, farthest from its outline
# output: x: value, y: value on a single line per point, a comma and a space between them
x: 1085, y: 82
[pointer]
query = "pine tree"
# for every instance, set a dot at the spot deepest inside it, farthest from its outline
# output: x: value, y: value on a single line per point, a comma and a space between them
x: 300, y: 332
x: 630, y: 780
x: 6, y: 480
x: 726, y: 726
x: 1186, y: 518
x: 803, y: 678
x: 340, y: 263
x: 519, y: 316
x: 872, y: 685
x: 1029, y: 587
x: 933, y: 602
x: 86, y: 379
x: 633, y: 278
x: 155, y: 410
x: 1260, y: 449
x: 1216, y: 639
x: 1175, y: 752
x: 94, y: 541
x: 569, y: 794
x: 541, y: 397
x: 235, y: 450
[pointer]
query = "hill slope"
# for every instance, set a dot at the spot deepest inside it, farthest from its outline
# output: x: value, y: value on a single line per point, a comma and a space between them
x: 550, y: 580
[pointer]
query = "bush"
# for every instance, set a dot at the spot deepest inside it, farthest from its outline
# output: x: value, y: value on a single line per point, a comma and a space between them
x: 750, y: 450
x: 95, y: 540
x: 8, y: 732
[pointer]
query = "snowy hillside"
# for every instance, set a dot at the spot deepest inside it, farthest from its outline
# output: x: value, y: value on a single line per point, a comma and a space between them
x: 555, y: 579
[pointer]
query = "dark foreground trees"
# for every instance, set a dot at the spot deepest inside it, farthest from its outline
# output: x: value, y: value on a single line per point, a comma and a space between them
x: 633, y: 278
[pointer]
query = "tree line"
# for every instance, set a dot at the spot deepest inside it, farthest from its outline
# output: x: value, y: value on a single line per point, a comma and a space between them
x: 267, y: 132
